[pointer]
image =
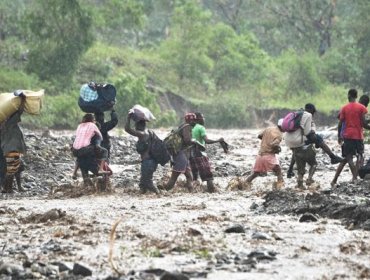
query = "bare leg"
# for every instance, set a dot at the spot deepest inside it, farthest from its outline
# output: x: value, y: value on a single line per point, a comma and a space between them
x: 252, y: 177
x: 359, y: 163
x: 8, y: 184
x: 311, y: 172
x: 189, y: 180
x: 171, y: 182
x: 211, y: 187
x: 300, y: 181
x: 74, y: 175
x: 18, y: 181
x: 352, y: 167
x: 278, y: 173
x: 334, y: 158
x: 101, y: 167
x: 337, y: 172
x: 290, y: 173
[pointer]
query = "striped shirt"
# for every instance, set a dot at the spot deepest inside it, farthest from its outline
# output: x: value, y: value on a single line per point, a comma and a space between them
x: 84, y: 133
x: 88, y: 94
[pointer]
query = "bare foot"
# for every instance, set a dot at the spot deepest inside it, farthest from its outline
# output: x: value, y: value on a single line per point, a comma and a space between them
x: 300, y: 185
x: 309, y: 181
x: 279, y: 184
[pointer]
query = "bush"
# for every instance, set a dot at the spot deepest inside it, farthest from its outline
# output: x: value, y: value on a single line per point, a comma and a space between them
x: 297, y: 74
x: 59, y: 112
x: 132, y: 90
x: 11, y: 80
x: 226, y: 112
x: 166, y: 119
x: 340, y: 68
x: 331, y: 98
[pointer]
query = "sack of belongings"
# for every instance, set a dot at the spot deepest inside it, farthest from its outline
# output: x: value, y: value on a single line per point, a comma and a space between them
x: 10, y: 103
x: 95, y: 98
x: 141, y: 113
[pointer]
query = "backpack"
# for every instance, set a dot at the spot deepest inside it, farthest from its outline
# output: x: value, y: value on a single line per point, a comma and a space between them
x: 158, y: 150
x: 292, y: 121
x: 173, y: 141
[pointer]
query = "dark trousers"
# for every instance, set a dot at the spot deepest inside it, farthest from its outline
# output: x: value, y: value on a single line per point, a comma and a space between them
x: 148, y: 167
x: 2, y: 167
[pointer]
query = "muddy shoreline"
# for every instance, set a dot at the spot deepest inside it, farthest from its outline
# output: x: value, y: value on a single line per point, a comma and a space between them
x: 254, y: 234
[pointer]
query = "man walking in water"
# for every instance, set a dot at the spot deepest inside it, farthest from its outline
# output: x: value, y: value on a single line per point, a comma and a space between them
x: 352, y: 136
x: 317, y: 139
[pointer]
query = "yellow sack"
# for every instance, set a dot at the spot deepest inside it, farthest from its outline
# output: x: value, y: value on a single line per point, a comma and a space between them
x: 9, y: 103
x: 33, y: 103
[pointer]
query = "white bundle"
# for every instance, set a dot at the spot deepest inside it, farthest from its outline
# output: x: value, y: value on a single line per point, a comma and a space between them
x: 141, y: 113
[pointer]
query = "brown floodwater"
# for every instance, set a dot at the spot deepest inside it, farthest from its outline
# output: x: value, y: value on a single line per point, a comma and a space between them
x: 185, y: 232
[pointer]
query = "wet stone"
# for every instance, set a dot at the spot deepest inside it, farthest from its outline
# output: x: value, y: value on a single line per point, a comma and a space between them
x: 155, y: 271
x: 10, y: 269
x: 173, y: 276
x: 308, y: 217
x: 260, y: 236
x: 262, y: 255
x: 194, y: 232
x: 235, y: 229
x: 366, y: 225
x: 62, y: 266
x: 254, y: 206
x: 79, y: 269
x: 195, y: 274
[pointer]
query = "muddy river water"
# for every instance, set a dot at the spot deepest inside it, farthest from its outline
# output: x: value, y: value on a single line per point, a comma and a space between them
x: 261, y: 233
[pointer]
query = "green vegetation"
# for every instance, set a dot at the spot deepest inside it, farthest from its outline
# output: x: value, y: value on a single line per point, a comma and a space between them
x: 225, y: 57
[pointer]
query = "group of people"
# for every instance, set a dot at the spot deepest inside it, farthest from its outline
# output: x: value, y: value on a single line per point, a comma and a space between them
x: 92, y: 145
x: 189, y: 159
x: 304, y: 140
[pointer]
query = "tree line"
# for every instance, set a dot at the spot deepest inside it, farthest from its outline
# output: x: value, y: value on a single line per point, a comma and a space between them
x: 226, y: 57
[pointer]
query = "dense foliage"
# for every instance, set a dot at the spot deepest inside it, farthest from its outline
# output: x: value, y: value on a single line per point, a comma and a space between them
x: 225, y: 57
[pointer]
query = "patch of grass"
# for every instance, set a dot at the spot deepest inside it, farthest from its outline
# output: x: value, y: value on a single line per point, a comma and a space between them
x: 152, y: 252
x: 203, y: 253
x: 327, y: 101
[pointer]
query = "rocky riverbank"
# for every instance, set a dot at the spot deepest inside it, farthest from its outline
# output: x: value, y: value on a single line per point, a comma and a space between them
x: 262, y: 233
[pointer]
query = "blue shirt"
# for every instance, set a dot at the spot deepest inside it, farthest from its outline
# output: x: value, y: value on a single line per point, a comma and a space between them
x: 88, y: 94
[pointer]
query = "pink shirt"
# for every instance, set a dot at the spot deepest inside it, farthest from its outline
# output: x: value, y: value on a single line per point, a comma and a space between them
x: 84, y: 133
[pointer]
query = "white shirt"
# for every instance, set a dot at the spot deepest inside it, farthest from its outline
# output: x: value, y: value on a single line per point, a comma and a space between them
x: 297, y: 138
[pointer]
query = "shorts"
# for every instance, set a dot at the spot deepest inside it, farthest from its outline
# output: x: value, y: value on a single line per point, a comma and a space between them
x: 304, y: 155
x: 265, y: 163
x: 202, y: 166
x: 181, y: 162
x: 352, y: 147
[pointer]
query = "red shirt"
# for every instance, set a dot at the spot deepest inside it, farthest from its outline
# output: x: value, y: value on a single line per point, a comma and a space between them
x: 352, y: 115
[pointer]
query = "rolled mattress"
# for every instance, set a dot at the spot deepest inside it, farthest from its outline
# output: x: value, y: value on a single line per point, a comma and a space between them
x: 9, y: 103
